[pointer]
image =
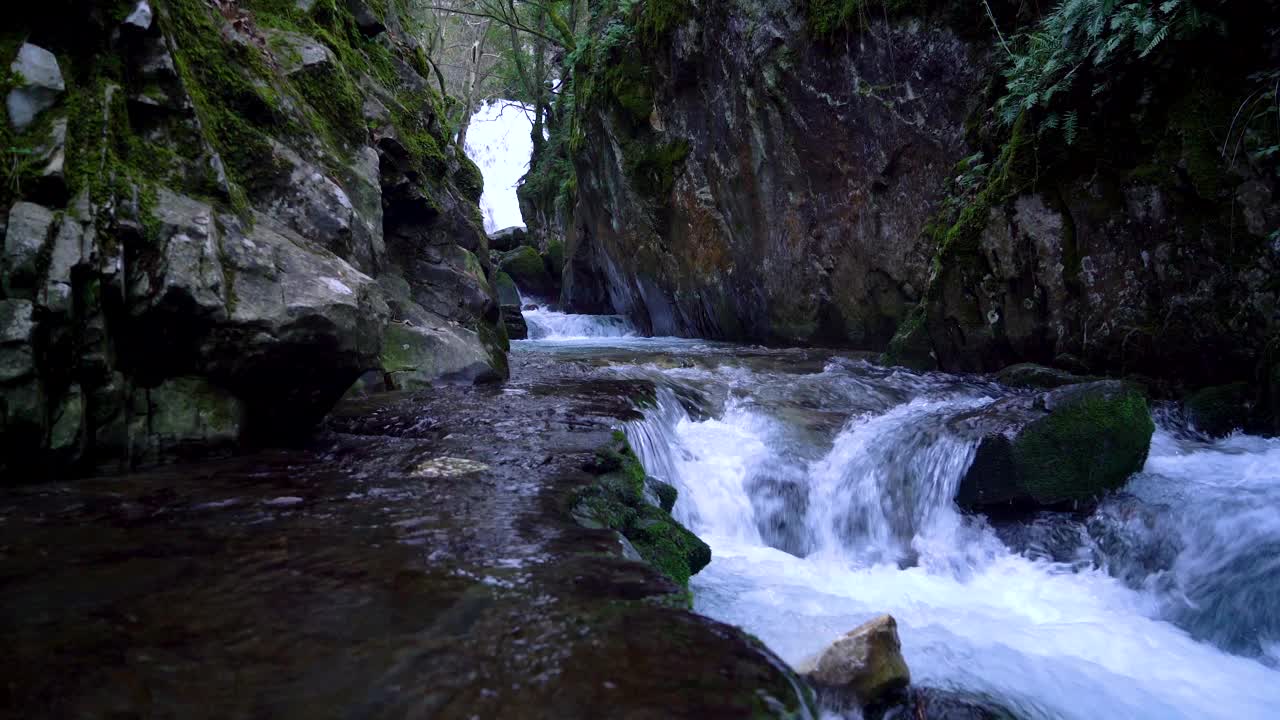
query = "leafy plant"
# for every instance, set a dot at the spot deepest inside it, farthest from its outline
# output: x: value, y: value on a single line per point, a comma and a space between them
x: 1077, y: 45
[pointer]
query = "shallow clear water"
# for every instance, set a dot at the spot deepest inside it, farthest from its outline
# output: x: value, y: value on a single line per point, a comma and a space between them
x: 824, y: 485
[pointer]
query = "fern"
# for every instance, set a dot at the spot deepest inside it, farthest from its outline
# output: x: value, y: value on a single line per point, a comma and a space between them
x: 1081, y: 42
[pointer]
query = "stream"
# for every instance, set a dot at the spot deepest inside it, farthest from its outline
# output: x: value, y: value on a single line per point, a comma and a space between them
x: 824, y: 485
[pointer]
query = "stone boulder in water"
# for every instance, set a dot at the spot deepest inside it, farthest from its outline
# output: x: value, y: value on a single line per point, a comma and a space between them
x: 866, y: 663
x: 1067, y: 445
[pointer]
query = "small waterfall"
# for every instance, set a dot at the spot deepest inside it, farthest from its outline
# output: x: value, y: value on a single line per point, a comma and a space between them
x: 884, y: 493
x: 552, y: 325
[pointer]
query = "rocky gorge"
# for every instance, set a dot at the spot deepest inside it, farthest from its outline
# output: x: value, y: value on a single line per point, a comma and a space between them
x: 858, y: 358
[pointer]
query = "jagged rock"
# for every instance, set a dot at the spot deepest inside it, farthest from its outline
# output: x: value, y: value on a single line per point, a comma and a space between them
x: 26, y: 237
x: 41, y: 86
x: 866, y: 663
x: 517, y: 328
x: 1067, y: 445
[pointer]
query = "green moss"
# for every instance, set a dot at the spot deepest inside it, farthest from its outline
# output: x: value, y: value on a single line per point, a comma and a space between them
x: 1084, y: 448
x: 616, y: 501
x: 469, y: 179
x: 525, y: 266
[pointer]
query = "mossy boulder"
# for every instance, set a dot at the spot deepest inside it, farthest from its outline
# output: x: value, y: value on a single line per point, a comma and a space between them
x: 617, y: 501
x: 525, y: 266
x: 1058, y: 448
x: 1220, y: 409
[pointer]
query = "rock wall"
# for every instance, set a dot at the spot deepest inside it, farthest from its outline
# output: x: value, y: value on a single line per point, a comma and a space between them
x: 755, y: 182
x: 745, y: 172
x: 219, y: 216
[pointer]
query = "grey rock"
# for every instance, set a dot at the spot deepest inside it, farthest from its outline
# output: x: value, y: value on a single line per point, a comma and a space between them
x: 507, y: 238
x: 513, y: 319
x: 141, y: 17
x: 297, y: 53
x: 42, y: 85
x: 415, y: 356
x: 191, y: 411
x: 30, y: 227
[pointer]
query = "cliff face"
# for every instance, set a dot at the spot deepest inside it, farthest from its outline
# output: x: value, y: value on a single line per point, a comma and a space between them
x: 219, y: 216
x: 768, y: 185
x: 753, y: 178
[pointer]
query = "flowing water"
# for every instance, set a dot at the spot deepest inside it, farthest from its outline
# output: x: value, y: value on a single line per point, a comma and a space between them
x: 823, y: 484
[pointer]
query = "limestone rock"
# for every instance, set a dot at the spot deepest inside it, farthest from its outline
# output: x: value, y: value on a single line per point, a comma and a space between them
x: 41, y: 86
x: 866, y: 662
x: 1067, y: 445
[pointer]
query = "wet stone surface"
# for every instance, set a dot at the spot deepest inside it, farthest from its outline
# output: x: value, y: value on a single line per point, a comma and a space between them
x: 417, y: 560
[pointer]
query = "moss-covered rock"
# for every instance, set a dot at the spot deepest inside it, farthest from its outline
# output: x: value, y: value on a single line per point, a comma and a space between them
x: 617, y: 501
x: 1066, y: 446
x: 526, y: 268
x: 1220, y: 409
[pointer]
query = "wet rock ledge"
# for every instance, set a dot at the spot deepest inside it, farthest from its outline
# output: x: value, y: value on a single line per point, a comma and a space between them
x: 420, y: 559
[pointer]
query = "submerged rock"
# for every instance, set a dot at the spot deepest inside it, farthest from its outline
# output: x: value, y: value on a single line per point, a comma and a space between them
x: 1066, y: 445
x: 866, y: 662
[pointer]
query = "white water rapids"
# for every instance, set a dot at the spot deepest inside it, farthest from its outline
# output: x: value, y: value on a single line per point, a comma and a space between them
x: 824, y: 489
